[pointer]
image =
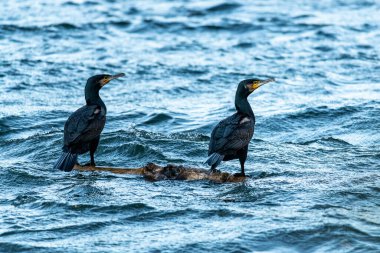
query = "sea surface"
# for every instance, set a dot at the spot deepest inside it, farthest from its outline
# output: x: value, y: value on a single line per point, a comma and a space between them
x: 313, y: 163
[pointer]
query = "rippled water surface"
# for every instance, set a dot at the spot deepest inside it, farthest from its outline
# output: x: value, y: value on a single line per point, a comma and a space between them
x: 314, y: 160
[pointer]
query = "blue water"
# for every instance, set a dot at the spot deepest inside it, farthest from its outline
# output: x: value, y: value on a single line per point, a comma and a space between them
x: 314, y: 160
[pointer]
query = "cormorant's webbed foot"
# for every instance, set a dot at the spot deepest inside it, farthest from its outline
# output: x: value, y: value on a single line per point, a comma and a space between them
x: 214, y: 170
x: 239, y: 175
x: 92, y: 164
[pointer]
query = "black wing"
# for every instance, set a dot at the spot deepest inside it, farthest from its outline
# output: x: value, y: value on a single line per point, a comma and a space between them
x: 231, y: 134
x: 87, y: 120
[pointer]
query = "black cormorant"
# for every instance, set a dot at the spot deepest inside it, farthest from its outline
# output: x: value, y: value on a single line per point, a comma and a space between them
x: 83, y: 127
x: 231, y: 137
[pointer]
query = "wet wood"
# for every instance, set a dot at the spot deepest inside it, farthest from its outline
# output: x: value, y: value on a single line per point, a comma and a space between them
x: 154, y: 172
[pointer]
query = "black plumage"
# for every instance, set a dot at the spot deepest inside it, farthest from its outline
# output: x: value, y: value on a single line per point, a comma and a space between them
x: 83, y: 128
x: 230, y: 138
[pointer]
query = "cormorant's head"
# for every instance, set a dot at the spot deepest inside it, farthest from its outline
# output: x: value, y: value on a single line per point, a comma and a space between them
x: 246, y: 87
x: 95, y: 83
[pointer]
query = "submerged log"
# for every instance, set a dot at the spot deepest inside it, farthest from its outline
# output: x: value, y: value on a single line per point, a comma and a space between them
x: 154, y: 172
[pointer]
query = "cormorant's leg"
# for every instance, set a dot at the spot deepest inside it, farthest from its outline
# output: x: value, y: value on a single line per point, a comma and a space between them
x: 242, y: 157
x: 242, y: 167
x: 93, y: 146
x: 213, y: 168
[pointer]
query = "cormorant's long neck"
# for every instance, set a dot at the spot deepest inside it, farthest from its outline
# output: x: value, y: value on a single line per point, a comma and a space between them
x: 242, y: 106
x: 93, y: 98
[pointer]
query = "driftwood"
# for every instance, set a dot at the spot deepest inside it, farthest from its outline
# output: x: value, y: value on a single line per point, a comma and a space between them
x: 155, y: 172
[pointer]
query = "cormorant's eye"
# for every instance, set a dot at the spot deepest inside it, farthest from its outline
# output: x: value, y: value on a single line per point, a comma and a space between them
x: 104, y: 80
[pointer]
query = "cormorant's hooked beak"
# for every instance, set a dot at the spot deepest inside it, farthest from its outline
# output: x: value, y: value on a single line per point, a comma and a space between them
x: 255, y: 85
x: 107, y: 79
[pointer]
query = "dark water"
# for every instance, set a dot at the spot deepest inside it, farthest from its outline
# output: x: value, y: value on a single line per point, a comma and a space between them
x: 314, y: 160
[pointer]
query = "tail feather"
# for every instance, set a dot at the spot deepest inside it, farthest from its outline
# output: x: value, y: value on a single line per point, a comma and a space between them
x: 214, y: 159
x: 66, y: 162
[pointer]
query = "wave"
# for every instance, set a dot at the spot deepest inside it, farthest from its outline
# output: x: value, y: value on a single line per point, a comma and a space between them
x: 19, y: 247
x: 85, y: 3
x: 31, y: 28
x: 33, y: 201
x: 318, y: 237
x: 323, y: 111
x: 139, y: 150
x: 65, y: 229
x: 24, y: 199
x: 64, y: 26
x: 159, y: 24
x: 117, y: 209
x: 328, y: 140
x: 200, y: 214
x: 157, y: 118
x: 223, y: 7
x: 154, y: 25
x: 220, y: 8
x: 134, y: 133
x: 269, y: 174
